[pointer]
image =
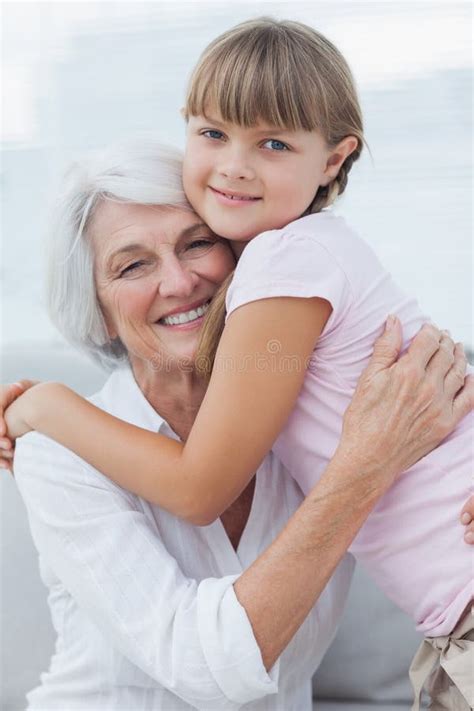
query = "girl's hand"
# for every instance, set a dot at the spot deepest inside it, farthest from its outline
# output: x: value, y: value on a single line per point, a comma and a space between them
x: 467, y: 518
x: 9, y: 431
x: 401, y: 410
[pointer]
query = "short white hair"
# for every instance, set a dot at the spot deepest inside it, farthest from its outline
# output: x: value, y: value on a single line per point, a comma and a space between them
x: 143, y: 172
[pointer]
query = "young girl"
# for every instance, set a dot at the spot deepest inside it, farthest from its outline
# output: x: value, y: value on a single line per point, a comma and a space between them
x: 274, y: 126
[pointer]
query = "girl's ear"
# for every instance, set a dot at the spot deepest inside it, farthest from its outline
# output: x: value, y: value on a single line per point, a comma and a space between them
x: 338, y: 155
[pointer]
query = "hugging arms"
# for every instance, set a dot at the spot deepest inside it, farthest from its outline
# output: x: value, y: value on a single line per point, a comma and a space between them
x: 119, y: 563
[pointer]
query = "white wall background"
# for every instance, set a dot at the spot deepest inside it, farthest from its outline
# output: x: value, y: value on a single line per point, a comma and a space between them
x: 78, y: 75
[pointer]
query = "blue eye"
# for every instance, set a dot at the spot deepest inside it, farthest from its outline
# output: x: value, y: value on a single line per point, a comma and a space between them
x: 276, y: 145
x: 213, y: 134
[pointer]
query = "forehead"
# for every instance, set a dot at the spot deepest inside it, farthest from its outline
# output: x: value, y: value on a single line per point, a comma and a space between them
x: 116, y: 224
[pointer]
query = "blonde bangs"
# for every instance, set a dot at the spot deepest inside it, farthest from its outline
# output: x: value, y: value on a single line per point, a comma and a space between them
x: 253, y: 79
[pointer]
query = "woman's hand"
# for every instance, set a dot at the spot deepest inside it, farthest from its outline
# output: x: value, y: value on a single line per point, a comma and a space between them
x: 10, y: 426
x: 401, y: 410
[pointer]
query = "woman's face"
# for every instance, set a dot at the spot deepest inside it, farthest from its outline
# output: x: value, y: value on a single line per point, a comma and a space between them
x: 156, y: 269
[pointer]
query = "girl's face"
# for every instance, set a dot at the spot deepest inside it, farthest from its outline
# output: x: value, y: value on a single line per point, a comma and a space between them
x: 243, y: 181
x: 156, y: 269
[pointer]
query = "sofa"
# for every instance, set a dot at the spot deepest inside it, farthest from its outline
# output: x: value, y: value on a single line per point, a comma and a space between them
x: 365, y: 668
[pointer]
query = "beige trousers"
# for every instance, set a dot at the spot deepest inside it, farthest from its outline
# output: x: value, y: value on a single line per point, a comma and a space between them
x: 449, y: 664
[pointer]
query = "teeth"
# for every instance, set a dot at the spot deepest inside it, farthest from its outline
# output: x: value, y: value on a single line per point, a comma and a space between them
x: 186, y: 316
x: 238, y: 197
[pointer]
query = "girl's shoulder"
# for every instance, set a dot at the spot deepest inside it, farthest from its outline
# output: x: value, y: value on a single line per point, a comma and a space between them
x: 316, y: 255
x: 308, y: 257
x: 309, y: 235
x: 324, y: 227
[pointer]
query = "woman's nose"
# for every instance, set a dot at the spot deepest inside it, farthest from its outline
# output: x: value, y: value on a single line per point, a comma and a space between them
x: 177, y: 280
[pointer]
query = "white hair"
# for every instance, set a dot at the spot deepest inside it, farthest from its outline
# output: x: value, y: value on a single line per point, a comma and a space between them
x: 143, y: 172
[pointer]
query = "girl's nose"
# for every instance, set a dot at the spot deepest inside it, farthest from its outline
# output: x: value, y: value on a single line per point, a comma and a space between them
x: 235, y: 165
x: 177, y: 280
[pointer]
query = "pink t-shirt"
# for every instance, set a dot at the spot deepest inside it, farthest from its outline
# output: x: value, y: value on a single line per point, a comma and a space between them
x: 412, y: 543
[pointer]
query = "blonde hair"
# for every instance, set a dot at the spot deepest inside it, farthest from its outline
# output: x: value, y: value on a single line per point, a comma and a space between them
x: 286, y: 74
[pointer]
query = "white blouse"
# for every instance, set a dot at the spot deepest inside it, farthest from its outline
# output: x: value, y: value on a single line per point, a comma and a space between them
x: 143, y: 603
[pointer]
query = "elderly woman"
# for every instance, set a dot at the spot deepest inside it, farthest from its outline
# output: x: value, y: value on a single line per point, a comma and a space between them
x: 152, y: 612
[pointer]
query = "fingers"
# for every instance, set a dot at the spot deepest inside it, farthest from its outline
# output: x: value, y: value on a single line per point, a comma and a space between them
x: 467, y: 518
x: 442, y: 360
x: 6, y: 447
x: 467, y: 513
x: 25, y: 384
x: 424, y: 346
x: 6, y: 453
x: 464, y: 401
x: 469, y: 533
x: 387, y: 346
x: 8, y: 394
x: 454, y: 379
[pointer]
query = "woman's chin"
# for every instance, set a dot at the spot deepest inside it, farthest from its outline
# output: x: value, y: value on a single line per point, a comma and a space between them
x: 176, y: 351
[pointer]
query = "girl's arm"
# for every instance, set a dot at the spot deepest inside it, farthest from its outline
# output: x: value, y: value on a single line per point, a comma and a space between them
x: 250, y: 395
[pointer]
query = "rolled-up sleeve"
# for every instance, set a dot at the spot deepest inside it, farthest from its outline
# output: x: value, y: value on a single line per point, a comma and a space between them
x: 191, y: 637
x: 224, y: 632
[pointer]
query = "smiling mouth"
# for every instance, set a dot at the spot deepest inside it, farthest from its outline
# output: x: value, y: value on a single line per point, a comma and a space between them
x: 236, y: 196
x: 185, y: 316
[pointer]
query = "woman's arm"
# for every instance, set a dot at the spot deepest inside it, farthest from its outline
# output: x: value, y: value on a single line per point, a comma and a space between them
x: 366, y: 458
x: 250, y: 396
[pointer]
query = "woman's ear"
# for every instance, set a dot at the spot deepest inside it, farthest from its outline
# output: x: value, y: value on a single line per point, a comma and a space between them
x: 109, y: 326
x: 338, y: 155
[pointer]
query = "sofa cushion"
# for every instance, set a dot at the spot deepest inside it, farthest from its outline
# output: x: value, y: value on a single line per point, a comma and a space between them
x: 59, y: 362
x: 370, y: 656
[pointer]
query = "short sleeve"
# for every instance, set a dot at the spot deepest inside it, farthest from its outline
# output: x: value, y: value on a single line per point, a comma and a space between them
x: 288, y: 263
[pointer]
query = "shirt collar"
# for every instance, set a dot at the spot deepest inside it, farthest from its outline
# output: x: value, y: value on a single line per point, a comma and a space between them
x: 122, y: 397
